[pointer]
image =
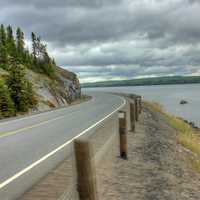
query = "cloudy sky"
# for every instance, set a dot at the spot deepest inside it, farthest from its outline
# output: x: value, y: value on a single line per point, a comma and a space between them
x: 114, y: 39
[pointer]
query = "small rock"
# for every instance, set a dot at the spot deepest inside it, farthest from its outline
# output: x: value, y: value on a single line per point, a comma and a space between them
x: 183, y: 102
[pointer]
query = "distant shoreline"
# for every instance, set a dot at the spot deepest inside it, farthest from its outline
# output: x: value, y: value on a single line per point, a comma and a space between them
x: 139, y: 85
x: 174, y: 80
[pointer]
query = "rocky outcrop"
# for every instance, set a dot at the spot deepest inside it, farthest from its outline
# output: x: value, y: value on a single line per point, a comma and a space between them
x: 51, y: 93
x: 70, y: 83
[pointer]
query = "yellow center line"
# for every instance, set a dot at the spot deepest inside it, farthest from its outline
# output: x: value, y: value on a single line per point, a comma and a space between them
x: 28, y: 128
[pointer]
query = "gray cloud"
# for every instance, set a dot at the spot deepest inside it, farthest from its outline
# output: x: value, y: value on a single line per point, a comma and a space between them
x: 114, y: 38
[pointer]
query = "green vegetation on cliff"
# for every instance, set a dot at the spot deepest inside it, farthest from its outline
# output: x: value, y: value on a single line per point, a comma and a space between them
x: 16, y: 91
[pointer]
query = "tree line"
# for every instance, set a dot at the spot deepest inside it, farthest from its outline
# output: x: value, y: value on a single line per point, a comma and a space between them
x: 16, y: 92
x: 167, y: 80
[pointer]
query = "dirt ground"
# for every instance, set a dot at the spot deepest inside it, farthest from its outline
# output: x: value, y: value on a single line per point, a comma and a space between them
x: 157, y: 167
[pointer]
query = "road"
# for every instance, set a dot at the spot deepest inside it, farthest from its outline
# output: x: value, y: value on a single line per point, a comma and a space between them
x: 26, y: 140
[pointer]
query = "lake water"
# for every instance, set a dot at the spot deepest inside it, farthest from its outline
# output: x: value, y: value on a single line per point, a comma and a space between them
x: 169, y: 96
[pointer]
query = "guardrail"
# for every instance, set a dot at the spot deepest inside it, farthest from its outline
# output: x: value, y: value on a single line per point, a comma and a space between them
x: 86, y: 178
x: 82, y: 155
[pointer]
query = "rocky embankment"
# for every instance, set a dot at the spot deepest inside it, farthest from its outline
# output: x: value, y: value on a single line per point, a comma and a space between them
x: 54, y: 93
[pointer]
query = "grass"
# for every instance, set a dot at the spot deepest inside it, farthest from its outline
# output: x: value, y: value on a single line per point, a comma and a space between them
x: 186, y: 135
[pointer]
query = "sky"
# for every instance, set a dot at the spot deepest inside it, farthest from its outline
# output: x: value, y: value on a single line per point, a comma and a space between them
x: 113, y: 39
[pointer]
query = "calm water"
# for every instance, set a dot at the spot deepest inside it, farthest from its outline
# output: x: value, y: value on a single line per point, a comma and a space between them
x: 169, y: 96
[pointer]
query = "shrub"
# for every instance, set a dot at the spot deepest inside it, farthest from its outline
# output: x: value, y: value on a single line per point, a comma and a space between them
x: 20, y: 89
x: 6, y: 104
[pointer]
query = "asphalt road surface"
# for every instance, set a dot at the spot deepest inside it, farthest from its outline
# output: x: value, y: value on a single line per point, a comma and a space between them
x: 24, y: 141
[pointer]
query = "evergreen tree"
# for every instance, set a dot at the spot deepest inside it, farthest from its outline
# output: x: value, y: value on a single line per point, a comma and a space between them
x: 48, y: 65
x: 2, y: 35
x: 3, y: 57
x: 3, y: 48
x: 20, y: 89
x: 20, y: 46
x: 33, y: 37
x: 10, y: 42
x: 6, y: 104
x: 10, y: 37
x: 32, y: 100
x: 43, y: 62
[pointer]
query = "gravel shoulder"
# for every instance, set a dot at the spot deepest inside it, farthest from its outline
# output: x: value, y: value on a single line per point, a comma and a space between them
x: 157, y: 167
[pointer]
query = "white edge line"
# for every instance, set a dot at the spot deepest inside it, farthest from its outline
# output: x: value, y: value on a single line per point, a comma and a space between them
x: 3, y: 184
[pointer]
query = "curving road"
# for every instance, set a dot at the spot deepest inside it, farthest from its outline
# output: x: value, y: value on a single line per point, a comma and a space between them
x: 24, y: 141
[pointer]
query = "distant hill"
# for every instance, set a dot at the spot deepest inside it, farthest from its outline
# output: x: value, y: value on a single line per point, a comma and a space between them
x: 146, y: 81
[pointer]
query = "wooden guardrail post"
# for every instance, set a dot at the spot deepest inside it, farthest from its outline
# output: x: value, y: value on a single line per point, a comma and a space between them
x: 132, y: 116
x: 86, y: 177
x: 140, y: 104
x: 123, y: 135
x: 136, y: 109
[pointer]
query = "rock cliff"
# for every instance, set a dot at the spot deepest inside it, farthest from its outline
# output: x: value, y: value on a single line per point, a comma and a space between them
x: 51, y: 93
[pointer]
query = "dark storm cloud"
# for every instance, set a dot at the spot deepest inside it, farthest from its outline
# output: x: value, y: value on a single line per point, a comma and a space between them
x: 72, y: 21
x: 66, y: 21
x: 119, y: 38
x: 53, y: 3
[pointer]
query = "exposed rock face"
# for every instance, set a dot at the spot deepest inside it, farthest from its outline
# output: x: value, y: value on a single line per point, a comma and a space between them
x: 53, y: 93
x: 70, y: 84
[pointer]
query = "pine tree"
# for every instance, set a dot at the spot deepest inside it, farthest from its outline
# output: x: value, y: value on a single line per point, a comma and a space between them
x: 32, y: 100
x: 6, y: 104
x: 2, y: 35
x: 3, y: 57
x: 20, y: 46
x: 33, y: 37
x: 3, y: 48
x: 43, y: 62
x: 20, y: 89
x: 48, y: 65
x: 10, y: 42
